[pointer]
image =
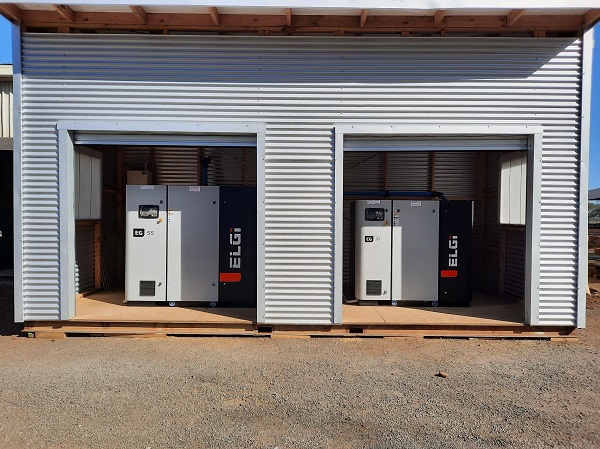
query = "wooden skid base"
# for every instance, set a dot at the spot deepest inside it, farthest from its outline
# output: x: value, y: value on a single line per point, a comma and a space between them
x: 61, y: 329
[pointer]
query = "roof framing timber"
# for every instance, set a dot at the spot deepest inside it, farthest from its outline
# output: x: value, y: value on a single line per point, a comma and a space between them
x: 140, y: 19
x: 513, y: 16
x: 140, y: 13
x: 363, y: 17
x: 591, y: 17
x: 438, y: 17
x: 214, y: 15
x: 10, y: 11
x: 65, y: 12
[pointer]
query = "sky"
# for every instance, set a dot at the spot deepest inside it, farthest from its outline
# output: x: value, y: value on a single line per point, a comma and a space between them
x: 594, y: 178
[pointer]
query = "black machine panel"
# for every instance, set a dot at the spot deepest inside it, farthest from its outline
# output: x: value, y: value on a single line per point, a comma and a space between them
x: 237, y: 246
x: 456, y: 236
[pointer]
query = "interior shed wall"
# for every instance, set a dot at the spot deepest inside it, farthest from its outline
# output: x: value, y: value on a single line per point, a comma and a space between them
x: 300, y: 87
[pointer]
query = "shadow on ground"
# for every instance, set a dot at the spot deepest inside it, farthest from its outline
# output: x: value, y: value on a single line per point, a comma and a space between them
x: 7, y: 310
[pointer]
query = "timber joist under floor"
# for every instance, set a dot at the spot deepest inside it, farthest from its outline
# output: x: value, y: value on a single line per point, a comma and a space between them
x: 60, y: 329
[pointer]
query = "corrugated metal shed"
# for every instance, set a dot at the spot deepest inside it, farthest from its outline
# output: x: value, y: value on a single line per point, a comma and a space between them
x: 301, y: 87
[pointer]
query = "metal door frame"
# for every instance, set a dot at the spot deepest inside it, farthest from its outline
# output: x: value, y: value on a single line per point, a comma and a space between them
x: 534, y: 136
x: 66, y: 204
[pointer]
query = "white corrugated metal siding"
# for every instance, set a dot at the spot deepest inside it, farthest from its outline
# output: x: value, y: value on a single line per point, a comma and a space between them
x: 300, y: 87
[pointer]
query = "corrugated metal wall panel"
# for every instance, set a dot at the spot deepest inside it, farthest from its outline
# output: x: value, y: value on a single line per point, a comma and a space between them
x: 300, y: 87
x: 176, y: 166
x: 299, y: 260
x: 85, y: 251
x: 409, y: 171
x: 457, y: 174
x: 6, y: 99
x: 514, y: 273
x: 491, y: 248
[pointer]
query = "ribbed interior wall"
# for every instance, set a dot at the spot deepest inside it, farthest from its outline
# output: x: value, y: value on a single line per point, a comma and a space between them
x: 84, y: 257
x: 300, y: 87
x: 514, y: 274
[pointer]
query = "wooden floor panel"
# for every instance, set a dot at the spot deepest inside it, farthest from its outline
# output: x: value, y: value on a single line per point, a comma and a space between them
x: 105, y: 313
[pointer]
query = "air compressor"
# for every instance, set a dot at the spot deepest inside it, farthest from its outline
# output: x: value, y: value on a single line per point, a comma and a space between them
x: 191, y: 243
x: 411, y: 250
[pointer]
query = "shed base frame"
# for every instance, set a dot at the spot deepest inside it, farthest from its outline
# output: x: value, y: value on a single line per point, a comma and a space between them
x: 104, y: 314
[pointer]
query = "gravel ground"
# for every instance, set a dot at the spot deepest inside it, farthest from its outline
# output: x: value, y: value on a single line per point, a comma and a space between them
x: 330, y: 393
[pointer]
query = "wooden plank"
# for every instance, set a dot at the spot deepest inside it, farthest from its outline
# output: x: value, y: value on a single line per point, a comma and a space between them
x: 140, y: 13
x: 11, y: 12
x: 288, y: 17
x: 65, y: 12
x: 363, y: 17
x: 279, y: 23
x: 513, y: 16
x: 591, y: 17
x: 214, y: 14
x: 438, y: 17
x: 49, y: 335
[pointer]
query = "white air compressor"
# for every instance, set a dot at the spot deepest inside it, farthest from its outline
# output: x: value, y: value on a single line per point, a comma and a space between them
x: 411, y: 250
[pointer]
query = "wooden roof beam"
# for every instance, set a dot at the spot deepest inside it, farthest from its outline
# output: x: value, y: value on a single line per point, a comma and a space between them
x: 438, y: 17
x: 590, y: 17
x: 513, y: 16
x: 288, y: 17
x: 140, y: 13
x: 363, y: 17
x: 11, y: 12
x: 214, y: 14
x: 65, y: 12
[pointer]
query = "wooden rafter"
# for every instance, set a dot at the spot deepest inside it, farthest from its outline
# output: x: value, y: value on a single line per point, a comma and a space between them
x: 288, y: 17
x: 591, y: 16
x: 363, y: 17
x: 140, y: 13
x: 438, y: 17
x: 301, y: 23
x: 11, y: 12
x: 214, y: 14
x: 513, y: 16
x: 65, y: 12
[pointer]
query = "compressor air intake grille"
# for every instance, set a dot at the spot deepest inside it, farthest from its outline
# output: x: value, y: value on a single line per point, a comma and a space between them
x: 147, y: 288
x: 374, y: 288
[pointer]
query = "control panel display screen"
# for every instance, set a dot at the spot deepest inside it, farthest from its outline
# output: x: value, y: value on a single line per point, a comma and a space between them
x: 148, y: 212
x: 374, y: 214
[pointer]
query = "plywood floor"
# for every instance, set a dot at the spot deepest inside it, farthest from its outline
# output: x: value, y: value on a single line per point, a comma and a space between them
x: 485, y: 311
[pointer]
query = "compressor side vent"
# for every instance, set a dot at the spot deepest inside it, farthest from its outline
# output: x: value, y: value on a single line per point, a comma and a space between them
x: 374, y: 287
x: 147, y: 288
